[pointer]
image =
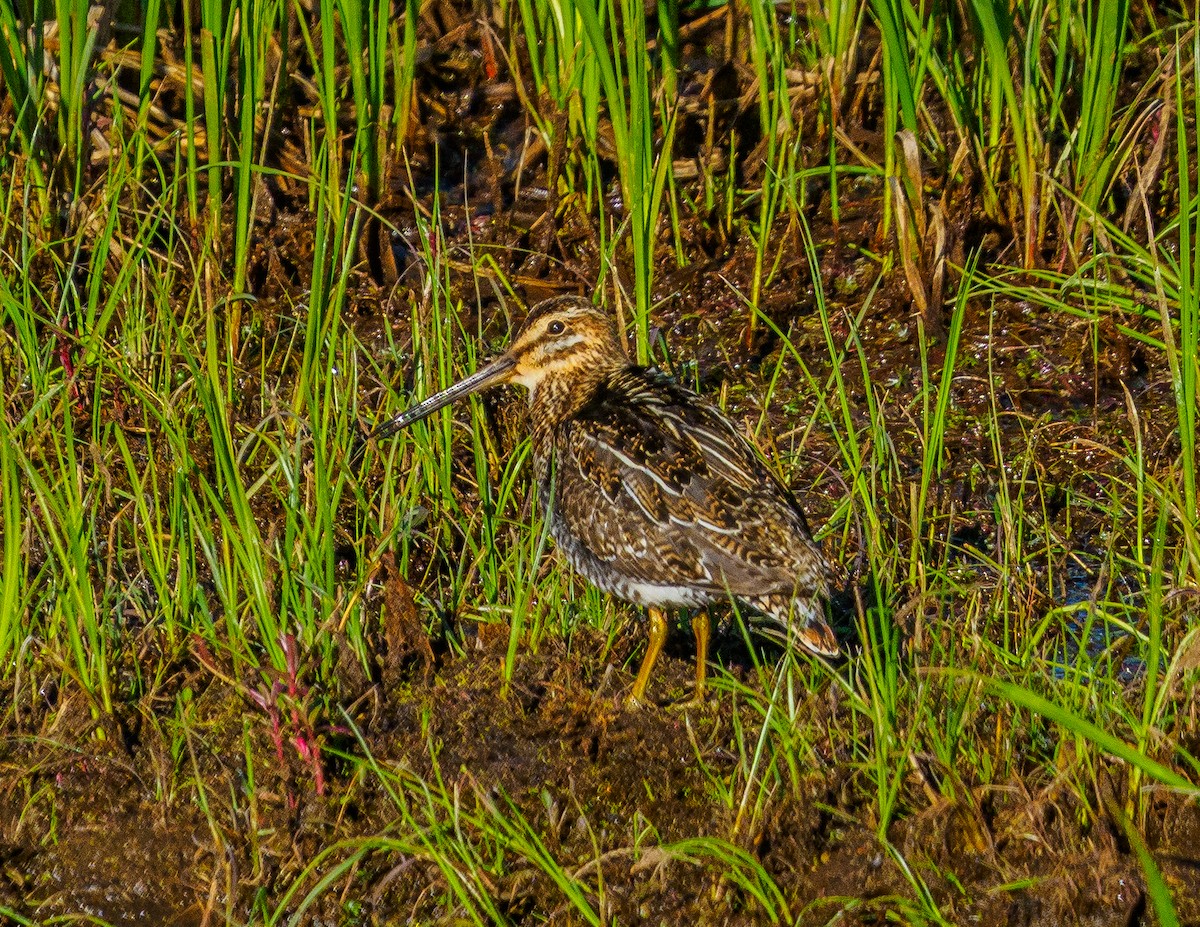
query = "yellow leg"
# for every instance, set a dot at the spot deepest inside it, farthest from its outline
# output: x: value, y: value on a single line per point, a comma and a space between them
x: 701, y: 628
x: 658, y: 636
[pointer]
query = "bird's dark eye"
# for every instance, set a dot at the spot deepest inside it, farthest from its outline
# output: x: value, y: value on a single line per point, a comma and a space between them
x: 556, y: 327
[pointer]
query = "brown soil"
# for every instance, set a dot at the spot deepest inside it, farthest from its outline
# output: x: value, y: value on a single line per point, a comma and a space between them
x: 96, y: 829
x: 186, y: 808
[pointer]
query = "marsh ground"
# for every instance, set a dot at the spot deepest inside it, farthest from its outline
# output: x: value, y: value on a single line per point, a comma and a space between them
x: 445, y: 743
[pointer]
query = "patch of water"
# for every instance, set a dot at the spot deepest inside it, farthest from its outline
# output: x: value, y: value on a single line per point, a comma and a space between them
x: 1091, y: 632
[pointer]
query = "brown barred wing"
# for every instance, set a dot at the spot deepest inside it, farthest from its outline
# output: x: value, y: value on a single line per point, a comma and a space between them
x: 659, y: 486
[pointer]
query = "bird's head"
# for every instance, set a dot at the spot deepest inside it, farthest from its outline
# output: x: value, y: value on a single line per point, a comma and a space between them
x: 562, y: 340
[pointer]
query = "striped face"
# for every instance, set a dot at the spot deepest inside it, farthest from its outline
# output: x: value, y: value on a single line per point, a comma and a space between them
x: 561, y: 339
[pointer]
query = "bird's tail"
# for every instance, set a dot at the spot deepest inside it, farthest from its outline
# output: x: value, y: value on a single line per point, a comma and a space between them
x: 800, y: 620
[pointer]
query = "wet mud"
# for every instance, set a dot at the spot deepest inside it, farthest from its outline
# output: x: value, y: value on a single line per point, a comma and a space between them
x: 621, y: 799
x: 187, y: 807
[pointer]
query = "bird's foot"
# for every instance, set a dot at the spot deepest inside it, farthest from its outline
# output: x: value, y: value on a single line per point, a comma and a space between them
x: 698, y: 700
x: 634, y: 703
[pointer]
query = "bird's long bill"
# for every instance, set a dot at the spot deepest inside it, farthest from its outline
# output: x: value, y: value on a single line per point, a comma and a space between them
x: 495, y: 372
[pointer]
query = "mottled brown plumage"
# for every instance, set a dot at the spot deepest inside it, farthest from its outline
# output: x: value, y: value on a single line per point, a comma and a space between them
x: 651, y: 492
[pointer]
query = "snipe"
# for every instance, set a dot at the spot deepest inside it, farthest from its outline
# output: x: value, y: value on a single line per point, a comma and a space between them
x: 651, y: 492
